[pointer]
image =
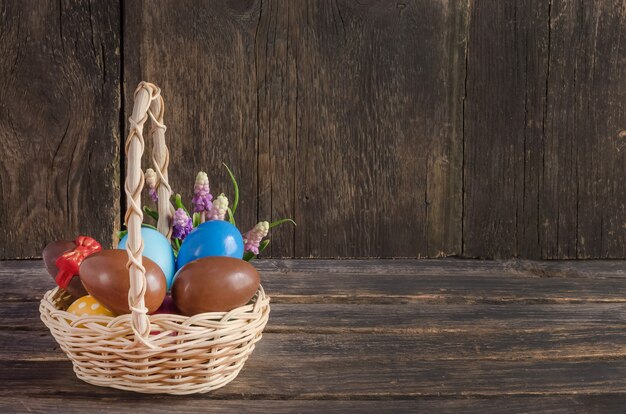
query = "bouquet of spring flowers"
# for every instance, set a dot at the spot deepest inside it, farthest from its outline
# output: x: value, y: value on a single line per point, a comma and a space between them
x: 207, y: 208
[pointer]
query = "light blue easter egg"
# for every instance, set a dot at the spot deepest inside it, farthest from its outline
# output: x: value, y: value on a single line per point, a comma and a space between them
x: 157, y: 248
x: 212, y: 238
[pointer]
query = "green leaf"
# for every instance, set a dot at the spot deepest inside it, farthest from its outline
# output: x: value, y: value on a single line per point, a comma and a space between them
x: 196, y: 220
x: 263, y: 245
x: 231, y: 217
x: 176, y: 246
x: 236, y: 196
x: 279, y: 222
x: 249, y: 255
x: 149, y: 212
x: 179, y: 203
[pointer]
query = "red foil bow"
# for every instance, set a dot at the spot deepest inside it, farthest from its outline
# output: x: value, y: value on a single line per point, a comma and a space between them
x: 69, y: 262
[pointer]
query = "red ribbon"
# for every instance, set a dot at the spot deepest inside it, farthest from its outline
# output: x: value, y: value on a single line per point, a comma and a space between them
x: 69, y: 262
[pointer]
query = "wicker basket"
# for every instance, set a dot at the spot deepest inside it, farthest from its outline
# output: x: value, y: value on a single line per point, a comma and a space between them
x: 162, y: 353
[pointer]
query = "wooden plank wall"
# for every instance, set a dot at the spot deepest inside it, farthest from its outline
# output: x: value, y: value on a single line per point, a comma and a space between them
x: 59, y: 123
x: 487, y: 129
x: 545, y: 146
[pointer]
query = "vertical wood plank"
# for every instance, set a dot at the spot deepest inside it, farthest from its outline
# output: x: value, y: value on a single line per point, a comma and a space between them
x: 584, y: 202
x: 360, y: 126
x: 276, y: 70
x: 201, y: 54
x: 544, y: 120
x: 504, y: 122
x: 59, y: 123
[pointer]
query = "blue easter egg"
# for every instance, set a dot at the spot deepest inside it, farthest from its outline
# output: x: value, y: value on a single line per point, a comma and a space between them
x: 157, y: 248
x: 212, y: 238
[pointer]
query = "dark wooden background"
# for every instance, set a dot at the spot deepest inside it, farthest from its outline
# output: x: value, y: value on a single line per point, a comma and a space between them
x: 426, y: 128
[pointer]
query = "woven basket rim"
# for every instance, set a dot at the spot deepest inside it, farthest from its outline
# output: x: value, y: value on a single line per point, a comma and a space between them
x: 259, y: 299
x: 193, y: 354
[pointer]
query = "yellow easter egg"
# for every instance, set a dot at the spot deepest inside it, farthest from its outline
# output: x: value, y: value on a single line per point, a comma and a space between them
x: 88, y: 306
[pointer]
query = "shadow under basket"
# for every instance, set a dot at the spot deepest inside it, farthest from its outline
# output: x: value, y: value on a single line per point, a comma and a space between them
x: 187, y: 355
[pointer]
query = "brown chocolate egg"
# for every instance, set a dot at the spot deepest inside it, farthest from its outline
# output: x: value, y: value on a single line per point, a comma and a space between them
x: 50, y: 255
x: 106, y: 278
x: 214, y: 284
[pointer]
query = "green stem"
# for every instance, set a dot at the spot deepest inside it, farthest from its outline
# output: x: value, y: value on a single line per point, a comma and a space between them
x: 236, y: 187
x: 281, y: 221
x: 179, y: 203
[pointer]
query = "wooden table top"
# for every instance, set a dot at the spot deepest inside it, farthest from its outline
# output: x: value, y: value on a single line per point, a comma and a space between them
x: 374, y: 335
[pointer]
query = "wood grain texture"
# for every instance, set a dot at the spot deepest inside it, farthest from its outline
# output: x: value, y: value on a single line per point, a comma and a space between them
x: 202, y: 57
x: 414, y: 319
x: 439, y: 335
x: 59, y: 123
x: 446, y: 281
x: 205, y: 404
x: 386, y: 129
x: 544, y: 134
x: 353, y: 281
x: 360, y: 125
x: 306, y: 376
x: 504, y: 110
x: 585, y: 168
x: 384, y: 347
x: 319, y: 108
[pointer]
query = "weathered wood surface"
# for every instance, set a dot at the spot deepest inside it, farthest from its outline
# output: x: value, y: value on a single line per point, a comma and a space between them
x: 514, y: 405
x: 545, y: 147
x: 403, y: 352
x: 336, y: 114
x: 59, y: 123
x: 514, y: 336
x: 323, y: 318
x: 482, y: 129
x: 449, y: 281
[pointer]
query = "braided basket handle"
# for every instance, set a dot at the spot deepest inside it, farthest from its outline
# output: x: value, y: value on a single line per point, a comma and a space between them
x: 148, y: 103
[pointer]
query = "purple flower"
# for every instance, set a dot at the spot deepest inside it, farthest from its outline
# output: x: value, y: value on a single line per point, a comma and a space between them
x: 252, y: 238
x: 182, y: 224
x: 151, y: 182
x: 202, y: 198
